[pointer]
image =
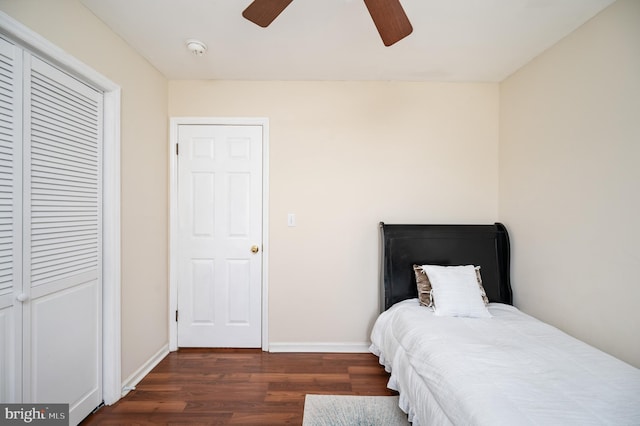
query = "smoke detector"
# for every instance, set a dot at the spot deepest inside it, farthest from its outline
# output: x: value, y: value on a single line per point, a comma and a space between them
x: 196, y: 47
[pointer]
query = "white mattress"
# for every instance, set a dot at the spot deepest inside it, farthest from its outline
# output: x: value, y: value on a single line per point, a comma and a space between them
x: 507, y: 370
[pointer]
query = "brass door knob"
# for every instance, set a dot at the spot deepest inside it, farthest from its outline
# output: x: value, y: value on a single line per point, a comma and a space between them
x: 255, y: 249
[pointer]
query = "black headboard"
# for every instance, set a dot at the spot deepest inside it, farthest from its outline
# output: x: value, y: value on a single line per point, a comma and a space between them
x: 402, y: 246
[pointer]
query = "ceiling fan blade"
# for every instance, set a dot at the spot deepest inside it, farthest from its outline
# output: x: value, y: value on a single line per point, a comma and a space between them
x: 390, y: 20
x: 263, y: 12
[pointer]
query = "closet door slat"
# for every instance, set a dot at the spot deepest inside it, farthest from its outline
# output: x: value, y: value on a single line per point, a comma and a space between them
x: 10, y: 158
x: 64, y: 177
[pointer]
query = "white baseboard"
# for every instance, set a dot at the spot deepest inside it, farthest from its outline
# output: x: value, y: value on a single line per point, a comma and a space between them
x: 130, y: 383
x: 320, y: 347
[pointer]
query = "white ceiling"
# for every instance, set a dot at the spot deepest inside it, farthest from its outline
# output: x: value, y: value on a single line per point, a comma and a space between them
x: 452, y: 40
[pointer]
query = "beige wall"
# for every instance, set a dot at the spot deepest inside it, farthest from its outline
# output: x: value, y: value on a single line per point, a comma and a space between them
x: 344, y: 156
x: 570, y: 181
x: 72, y: 27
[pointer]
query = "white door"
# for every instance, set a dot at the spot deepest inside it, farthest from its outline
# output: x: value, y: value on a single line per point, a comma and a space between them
x: 219, y: 236
x: 62, y: 241
x: 10, y: 222
x: 50, y: 237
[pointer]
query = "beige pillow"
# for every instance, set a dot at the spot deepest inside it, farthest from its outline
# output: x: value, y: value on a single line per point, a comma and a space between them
x: 424, y: 286
x: 482, y: 292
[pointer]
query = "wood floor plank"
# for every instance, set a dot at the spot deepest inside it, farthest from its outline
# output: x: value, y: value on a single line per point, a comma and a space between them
x: 300, y: 377
x: 241, y: 387
x: 151, y: 406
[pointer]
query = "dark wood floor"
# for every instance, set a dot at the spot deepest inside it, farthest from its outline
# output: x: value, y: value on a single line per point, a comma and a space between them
x: 241, y: 387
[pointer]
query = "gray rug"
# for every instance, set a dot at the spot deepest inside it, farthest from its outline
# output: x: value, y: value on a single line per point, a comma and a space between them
x: 348, y: 410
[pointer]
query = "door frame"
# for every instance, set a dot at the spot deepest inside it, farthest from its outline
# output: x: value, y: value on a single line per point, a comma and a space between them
x: 111, y: 337
x: 175, y: 122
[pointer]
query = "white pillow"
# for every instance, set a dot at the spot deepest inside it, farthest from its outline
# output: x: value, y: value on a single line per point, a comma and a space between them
x: 455, y: 291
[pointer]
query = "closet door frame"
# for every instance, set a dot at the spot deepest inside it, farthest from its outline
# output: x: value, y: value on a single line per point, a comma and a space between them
x: 111, y: 339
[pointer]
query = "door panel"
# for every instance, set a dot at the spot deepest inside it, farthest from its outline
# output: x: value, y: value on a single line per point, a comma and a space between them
x: 219, y: 216
x: 239, y: 291
x: 9, y: 374
x: 202, y: 275
x: 239, y: 214
x: 203, y: 185
x: 73, y: 380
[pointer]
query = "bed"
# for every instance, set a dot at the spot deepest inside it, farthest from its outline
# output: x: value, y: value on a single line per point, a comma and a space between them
x: 499, y: 368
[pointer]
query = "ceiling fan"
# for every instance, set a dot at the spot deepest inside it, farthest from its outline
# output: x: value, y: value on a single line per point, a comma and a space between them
x: 388, y: 16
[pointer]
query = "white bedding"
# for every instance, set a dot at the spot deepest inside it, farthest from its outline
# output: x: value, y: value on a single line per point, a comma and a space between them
x: 510, y: 369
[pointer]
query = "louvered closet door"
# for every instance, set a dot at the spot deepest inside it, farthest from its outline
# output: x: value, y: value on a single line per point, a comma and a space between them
x: 10, y: 222
x: 62, y: 248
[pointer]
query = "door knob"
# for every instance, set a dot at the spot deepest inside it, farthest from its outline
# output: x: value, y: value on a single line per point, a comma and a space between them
x: 255, y: 249
x: 22, y: 297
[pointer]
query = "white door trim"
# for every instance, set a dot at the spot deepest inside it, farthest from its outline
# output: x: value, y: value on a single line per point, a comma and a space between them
x: 111, y: 343
x: 173, y: 216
